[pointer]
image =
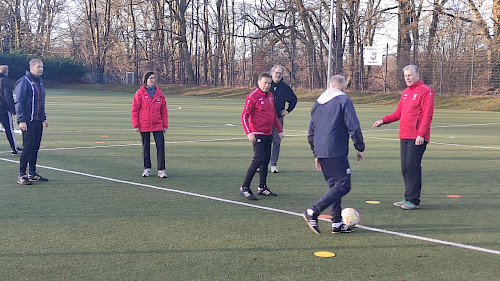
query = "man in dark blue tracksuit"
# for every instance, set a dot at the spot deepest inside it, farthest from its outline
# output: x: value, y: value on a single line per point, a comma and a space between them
x: 283, y: 95
x: 7, y: 108
x: 333, y: 120
x: 30, y: 107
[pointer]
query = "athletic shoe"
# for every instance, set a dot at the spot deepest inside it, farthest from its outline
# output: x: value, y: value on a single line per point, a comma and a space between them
x: 247, y: 193
x: 409, y: 206
x: 14, y: 152
x: 266, y: 192
x: 162, y: 174
x: 312, y: 220
x: 23, y: 180
x: 399, y: 203
x: 36, y: 177
x: 341, y: 229
x: 146, y: 173
x: 274, y: 169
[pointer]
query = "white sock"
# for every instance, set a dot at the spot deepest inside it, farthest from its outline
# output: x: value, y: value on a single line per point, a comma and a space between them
x: 336, y: 224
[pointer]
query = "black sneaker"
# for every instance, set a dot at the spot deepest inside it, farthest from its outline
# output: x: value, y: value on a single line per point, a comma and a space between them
x: 247, y: 193
x: 312, y: 220
x: 14, y: 152
x: 341, y: 229
x: 24, y: 180
x: 37, y: 177
x: 266, y: 192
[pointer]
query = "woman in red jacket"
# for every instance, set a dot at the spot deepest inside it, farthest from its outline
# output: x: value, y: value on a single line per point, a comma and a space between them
x: 149, y: 115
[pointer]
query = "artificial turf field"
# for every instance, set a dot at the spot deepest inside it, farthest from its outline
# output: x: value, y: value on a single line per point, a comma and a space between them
x: 98, y: 219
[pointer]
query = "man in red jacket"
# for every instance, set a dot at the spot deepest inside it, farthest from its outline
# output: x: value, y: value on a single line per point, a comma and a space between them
x: 258, y: 119
x: 415, y: 110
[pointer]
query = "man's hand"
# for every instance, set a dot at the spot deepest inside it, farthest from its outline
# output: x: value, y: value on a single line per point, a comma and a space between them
x: 378, y: 123
x: 165, y: 130
x: 360, y: 156
x: 419, y: 141
x: 45, y: 123
x: 23, y: 127
x: 317, y: 164
x: 284, y: 112
x: 251, y: 137
x: 281, y: 135
x: 137, y: 129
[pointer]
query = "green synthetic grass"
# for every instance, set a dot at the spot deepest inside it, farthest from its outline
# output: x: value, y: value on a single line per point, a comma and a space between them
x: 77, y: 227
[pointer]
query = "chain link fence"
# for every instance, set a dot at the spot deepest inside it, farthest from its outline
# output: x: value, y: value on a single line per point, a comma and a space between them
x: 469, y: 71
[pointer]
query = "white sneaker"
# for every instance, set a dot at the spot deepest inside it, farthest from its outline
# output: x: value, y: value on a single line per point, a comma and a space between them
x: 274, y: 169
x: 162, y: 174
x: 146, y: 173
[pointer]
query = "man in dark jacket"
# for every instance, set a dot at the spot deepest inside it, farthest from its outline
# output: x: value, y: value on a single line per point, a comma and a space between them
x: 283, y: 95
x: 30, y: 107
x: 333, y: 120
x: 7, y: 108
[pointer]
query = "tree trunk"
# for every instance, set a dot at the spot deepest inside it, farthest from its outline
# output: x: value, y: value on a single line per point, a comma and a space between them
x: 404, y: 40
x: 206, y: 43
x: 134, y: 42
x: 185, y: 54
x: 493, y: 42
x: 428, y: 69
x: 495, y: 47
x: 217, y: 57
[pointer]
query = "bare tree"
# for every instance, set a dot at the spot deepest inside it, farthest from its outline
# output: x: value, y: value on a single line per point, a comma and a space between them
x: 492, y: 40
x: 405, y: 21
x: 99, y: 24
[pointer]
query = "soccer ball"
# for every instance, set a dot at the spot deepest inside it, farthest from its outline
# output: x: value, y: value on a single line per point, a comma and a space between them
x: 350, y: 216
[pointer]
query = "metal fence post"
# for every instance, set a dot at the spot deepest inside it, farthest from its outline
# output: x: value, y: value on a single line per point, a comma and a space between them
x: 472, y: 64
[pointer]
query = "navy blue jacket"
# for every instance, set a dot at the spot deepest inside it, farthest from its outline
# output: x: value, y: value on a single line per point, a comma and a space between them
x: 283, y: 94
x: 6, y: 99
x: 331, y: 125
x: 30, y: 99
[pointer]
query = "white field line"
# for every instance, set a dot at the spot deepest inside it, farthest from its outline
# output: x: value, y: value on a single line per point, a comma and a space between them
x: 442, y: 143
x: 411, y: 236
x: 232, y: 125
x: 106, y: 130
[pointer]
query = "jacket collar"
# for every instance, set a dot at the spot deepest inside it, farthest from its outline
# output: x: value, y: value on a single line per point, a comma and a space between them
x: 329, y: 95
x: 260, y: 92
x: 419, y: 82
x: 30, y: 75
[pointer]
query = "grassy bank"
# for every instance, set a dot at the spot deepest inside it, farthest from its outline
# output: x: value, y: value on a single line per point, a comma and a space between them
x: 479, y: 103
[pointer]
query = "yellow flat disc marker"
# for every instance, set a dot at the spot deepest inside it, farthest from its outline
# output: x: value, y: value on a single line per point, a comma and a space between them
x: 324, y: 254
x: 373, y: 202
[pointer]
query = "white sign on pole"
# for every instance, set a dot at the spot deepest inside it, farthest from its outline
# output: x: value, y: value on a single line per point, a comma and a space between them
x: 373, y: 55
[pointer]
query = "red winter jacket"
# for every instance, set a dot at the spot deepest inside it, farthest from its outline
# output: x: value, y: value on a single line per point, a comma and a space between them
x: 259, y: 116
x: 149, y: 114
x: 415, y: 110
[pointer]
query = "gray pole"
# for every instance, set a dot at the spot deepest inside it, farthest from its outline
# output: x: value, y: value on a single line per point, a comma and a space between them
x: 330, y: 45
x: 472, y: 66
x: 386, y: 61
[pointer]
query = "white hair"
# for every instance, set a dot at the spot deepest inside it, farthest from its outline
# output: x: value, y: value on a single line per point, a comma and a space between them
x: 411, y: 67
